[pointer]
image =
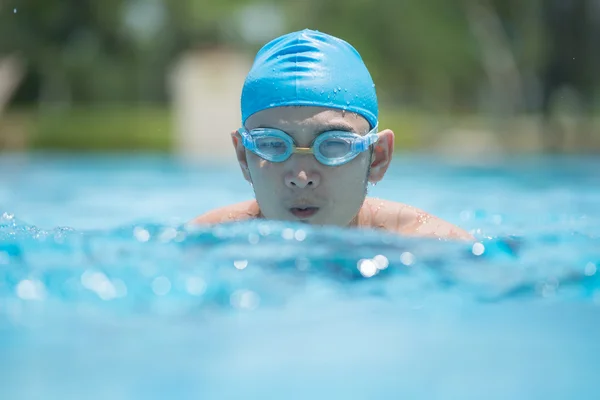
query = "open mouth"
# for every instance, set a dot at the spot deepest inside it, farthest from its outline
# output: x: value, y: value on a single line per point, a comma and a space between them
x: 304, y: 212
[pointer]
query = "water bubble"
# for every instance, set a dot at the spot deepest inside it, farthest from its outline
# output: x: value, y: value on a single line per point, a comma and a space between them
x: 7, y: 216
x: 287, y: 234
x: 141, y: 234
x: 31, y: 290
x: 347, y: 102
x: 300, y: 235
x: 240, y: 264
x: 367, y: 268
x: 478, y: 249
x: 161, y: 285
x: 167, y: 235
x: 407, y: 258
x: 496, y: 219
x: 381, y: 261
x: 14, y: 11
x: 264, y: 229
x: 98, y: 282
x: 244, y: 299
x: 120, y: 288
x: 302, y: 264
x: 195, y: 286
x: 548, y: 288
x: 180, y: 237
x: 590, y: 269
x: 253, y: 238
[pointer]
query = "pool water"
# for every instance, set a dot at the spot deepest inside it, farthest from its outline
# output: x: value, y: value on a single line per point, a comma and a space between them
x: 106, y: 293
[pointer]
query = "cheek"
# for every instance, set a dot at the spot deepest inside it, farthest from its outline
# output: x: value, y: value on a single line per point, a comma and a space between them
x: 262, y: 171
x: 349, y: 178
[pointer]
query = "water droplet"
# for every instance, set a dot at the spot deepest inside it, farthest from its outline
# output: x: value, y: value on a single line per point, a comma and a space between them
x: 347, y: 102
x: 373, y: 85
x: 340, y: 88
x: 346, y: 89
x: 14, y: 11
x: 322, y: 91
x: 334, y: 90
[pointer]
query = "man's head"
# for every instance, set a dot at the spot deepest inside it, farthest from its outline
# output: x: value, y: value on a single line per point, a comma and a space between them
x: 303, y: 86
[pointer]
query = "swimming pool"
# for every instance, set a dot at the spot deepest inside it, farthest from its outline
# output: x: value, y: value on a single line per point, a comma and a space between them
x: 105, y: 295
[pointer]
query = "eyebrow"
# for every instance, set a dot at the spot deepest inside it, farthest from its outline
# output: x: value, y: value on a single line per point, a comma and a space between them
x: 335, y: 126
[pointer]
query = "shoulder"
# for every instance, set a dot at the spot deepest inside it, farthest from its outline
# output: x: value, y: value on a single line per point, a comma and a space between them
x: 231, y: 213
x: 408, y: 220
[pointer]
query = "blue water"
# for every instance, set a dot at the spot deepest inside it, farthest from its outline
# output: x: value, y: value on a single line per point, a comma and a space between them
x: 105, y: 293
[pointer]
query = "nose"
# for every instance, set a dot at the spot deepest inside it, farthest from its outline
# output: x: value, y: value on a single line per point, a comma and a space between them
x: 302, y: 178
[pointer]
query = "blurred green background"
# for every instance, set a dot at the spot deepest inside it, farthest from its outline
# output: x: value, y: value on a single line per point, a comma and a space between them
x: 452, y: 76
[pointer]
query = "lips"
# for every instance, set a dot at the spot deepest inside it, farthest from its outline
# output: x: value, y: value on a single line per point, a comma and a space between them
x: 304, y: 212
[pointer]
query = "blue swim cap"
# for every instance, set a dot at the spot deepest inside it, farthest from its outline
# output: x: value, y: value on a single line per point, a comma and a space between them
x: 309, y: 68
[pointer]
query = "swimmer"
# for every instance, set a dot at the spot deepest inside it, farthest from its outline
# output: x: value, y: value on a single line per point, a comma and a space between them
x: 310, y: 143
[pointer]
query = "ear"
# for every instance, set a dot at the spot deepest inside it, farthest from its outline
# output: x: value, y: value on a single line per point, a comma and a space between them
x: 382, y: 155
x: 240, y: 152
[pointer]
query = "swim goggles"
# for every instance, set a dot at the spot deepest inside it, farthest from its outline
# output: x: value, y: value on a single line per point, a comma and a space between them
x: 331, y: 148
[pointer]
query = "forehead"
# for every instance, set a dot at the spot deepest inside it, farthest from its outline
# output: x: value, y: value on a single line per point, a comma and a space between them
x: 301, y: 118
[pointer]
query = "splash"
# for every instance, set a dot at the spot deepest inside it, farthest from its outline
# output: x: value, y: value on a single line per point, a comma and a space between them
x: 143, y: 267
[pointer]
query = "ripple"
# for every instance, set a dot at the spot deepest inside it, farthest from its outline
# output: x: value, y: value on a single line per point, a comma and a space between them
x: 144, y: 264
